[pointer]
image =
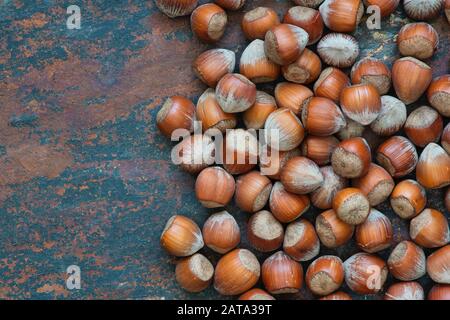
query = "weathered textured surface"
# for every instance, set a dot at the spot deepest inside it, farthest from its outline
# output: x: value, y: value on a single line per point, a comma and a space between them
x: 85, y: 177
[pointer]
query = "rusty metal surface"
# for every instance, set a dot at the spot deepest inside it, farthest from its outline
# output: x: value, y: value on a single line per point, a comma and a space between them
x: 85, y: 177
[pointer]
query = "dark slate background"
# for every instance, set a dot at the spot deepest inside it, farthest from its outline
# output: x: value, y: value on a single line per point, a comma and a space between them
x: 85, y: 177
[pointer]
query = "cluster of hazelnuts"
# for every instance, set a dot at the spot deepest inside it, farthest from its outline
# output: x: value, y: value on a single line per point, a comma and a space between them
x: 342, y: 143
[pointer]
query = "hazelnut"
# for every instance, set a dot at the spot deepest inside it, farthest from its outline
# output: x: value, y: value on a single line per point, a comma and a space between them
x: 361, y: 103
x: 433, y: 168
x: 351, y: 158
x: 283, y: 130
x: 300, y: 241
x: 281, y: 274
x: 230, y: 4
x: 319, y: 149
x: 342, y: 15
x: 438, y: 265
x: 391, y: 118
x: 256, y: 115
x: 330, y: 84
x: 176, y: 113
x: 372, y: 71
x: 439, y: 94
x: 398, y: 156
x: 252, y: 191
x: 422, y: 10
x: 214, y: 187
x: 430, y: 229
x: 365, y: 273
x: 256, y: 66
x: 322, y: 117
x: 258, y: 21
x: 374, y: 234
x: 439, y: 292
x: 418, y: 40
x: 264, y: 232
x: 256, y: 294
x: 286, y: 206
x: 377, y: 184
x: 386, y: 6
x: 408, y: 199
x: 405, y: 291
x: 352, y: 129
x: 195, y: 273
x: 332, y: 231
x: 308, y: 19
x: 271, y: 161
x: 300, y: 175
x: 176, y: 8
x: 325, y: 275
x: 181, y: 236
x: 211, y: 115
x: 338, y: 49
x: 424, y: 125
x: 292, y: 96
x: 240, y: 151
x: 409, y: 89
x: 306, y: 69
x: 236, y: 272
x: 235, y: 93
x: 322, y: 197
